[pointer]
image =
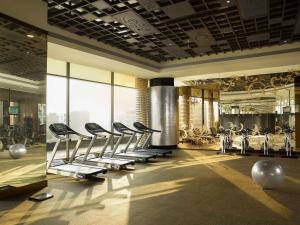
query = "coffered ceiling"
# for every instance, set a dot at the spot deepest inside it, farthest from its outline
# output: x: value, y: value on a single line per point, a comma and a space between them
x: 175, y: 29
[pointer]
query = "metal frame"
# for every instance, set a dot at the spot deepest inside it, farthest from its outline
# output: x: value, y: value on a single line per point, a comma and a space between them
x: 138, y: 156
x: 104, y: 158
x: 67, y: 167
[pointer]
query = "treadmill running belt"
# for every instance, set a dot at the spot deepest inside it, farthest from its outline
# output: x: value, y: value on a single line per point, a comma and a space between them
x: 77, y: 169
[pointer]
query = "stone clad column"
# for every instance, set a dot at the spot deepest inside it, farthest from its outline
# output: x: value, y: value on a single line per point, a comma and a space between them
x: 184, y: 107
x: 210, y: 121
x: 142, y: 102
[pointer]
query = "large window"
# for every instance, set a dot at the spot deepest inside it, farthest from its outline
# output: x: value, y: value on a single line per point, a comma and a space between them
x: 89, y: 97
x: 196, y: 112
x: 89, y: 102
x: 56, y: 101
x: 125, y: 105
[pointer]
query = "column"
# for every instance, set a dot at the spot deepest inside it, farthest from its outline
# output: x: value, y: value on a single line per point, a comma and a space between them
x: 163, y: 112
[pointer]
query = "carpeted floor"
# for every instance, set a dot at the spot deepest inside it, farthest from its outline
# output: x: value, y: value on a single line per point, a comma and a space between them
x: 190, y: 188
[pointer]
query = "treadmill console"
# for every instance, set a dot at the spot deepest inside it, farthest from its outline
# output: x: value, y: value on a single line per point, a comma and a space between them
x: 140, y: 126
x: 61, y: 129
x: 119, y: 126
x: 94, y: 128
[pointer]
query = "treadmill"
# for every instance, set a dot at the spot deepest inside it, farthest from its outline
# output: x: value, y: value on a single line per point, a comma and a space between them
x: 145, y: 147
x: 124, y: 153
x: 67, y: 167
x: 98, y: 159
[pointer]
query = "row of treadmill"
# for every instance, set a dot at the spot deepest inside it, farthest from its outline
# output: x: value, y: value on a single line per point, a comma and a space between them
x: 91, y: 164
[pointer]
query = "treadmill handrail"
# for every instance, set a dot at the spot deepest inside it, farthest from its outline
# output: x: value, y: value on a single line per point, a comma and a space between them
x: 84, y: 136
x: 159, y: 131
x: 59, y: 136
x: 145, y: 128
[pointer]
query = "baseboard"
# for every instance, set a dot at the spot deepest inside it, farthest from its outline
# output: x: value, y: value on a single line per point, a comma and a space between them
x: 11, y: 191
x: 163, y: 146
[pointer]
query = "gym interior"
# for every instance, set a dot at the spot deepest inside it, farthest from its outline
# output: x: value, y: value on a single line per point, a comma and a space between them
x: 126, y: 112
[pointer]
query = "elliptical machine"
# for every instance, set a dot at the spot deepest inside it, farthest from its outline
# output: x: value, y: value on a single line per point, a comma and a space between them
x: 245, y: 147
x: 266, y: 144
x: 287, y: 150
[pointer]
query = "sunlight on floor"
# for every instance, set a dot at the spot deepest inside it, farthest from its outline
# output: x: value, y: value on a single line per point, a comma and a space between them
x: 205, y: 160
x: 245, y: 184
x: 292, y: 179
x: 66, y: 202
x: 199, y: 160
x: 22, y: 172
x: 95, y: 201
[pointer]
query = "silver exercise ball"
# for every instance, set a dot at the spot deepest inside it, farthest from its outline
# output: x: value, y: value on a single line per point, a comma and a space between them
x: 267, y: 173
x: 17, y: 151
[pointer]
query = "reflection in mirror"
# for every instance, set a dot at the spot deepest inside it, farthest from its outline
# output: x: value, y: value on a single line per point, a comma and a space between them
x: 198, y: 110
x: 257, y: 102
x: 23, y: 52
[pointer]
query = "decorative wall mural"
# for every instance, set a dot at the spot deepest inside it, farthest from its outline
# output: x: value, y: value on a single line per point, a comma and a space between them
x: 249, y: 83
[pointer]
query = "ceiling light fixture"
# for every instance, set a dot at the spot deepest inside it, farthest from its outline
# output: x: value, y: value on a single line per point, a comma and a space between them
x: 30, y: 35
x: 227, y: 1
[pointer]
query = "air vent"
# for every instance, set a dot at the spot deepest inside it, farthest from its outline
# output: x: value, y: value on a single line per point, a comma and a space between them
x: 201, y: 37
x: 135, y: 23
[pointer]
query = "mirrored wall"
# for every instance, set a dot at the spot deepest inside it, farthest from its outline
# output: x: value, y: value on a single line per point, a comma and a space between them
x: 258, y: 103
x: 198, y: 110
x: 23, y: 53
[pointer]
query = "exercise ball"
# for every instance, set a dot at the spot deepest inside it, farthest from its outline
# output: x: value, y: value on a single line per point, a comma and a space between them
x: 267, y: 173
x: 17, y: 151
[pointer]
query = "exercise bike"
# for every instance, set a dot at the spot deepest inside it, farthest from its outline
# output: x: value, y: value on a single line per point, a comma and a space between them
x: 287, y: 150
x: 245, y: 147
x: 266, y: 144
x: 225, y: 141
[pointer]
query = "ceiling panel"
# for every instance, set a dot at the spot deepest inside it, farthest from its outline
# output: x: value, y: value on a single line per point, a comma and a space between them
x: 253, y: 8
x: 148, y: 27
x: 177, y: 10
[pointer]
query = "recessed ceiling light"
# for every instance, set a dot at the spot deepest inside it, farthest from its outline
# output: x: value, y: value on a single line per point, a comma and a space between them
x: 227, y: 1
x: 132, y: 1
x: 80, y: 9
x: 59, y: 7
x: 30, y: 35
